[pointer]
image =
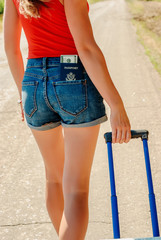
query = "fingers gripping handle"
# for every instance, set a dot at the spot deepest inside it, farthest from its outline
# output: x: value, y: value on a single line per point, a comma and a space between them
x: 143, y: 134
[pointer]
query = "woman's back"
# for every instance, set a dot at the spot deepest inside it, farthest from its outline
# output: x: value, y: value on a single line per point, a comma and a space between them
x: 49, y: 35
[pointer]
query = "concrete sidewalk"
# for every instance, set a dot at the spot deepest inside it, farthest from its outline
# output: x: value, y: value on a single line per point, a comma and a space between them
x: 23, y: 215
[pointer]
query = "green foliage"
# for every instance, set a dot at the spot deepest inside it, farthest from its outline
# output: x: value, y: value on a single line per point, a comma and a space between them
x: 94, y: 1
x: 145, y: 0
x: 1, y: 6
x: 147, y: 31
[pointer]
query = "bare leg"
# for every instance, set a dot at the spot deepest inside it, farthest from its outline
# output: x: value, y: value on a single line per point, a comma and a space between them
x: 51, y: 145
x: 80, y: 144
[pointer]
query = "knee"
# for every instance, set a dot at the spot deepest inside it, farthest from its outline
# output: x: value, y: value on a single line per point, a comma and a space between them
x: 75, y: 194
x: 53, y: 178
x: 75, y: 185
x: 53, y: 188
x: 53, y: 185
x: 76, y: 201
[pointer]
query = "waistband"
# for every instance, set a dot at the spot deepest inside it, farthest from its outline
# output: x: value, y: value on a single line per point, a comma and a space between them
x: 44, y: 61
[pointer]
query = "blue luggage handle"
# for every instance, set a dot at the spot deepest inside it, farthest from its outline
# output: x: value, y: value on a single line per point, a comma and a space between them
x: 143, y: 134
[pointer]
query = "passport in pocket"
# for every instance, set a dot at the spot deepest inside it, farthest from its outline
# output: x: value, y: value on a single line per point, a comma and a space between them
x: 71, y: 71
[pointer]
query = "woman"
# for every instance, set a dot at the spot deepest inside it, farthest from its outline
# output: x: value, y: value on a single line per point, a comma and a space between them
x: 52, y: 105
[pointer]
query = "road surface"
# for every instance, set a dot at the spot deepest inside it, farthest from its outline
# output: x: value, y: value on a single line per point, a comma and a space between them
x: 23, y: 214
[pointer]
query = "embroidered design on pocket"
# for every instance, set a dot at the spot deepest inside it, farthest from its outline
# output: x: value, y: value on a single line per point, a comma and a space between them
x: 70, y: 77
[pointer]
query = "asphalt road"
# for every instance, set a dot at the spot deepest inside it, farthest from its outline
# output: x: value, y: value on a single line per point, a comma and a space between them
x: 23, y: 214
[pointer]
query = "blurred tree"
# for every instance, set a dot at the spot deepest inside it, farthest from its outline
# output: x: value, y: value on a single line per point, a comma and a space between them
x: 1, y: 6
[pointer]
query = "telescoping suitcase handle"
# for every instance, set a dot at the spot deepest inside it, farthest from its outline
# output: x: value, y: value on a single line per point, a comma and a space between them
x: 143, y: 134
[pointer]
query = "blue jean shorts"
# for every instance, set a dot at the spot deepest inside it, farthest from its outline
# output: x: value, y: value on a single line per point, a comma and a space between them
x: 48, y: 101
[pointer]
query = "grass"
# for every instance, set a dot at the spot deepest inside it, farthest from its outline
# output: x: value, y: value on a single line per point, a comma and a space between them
x: 151, y: 43
x: 94, y: 1
x: 136, y: 7
x: 1, y: 6
x: 149, y: 39
x: 153, y: 0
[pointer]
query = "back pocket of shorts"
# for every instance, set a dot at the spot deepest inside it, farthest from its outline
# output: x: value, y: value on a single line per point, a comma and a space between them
x: 71, y: 95
x: 29, y: 97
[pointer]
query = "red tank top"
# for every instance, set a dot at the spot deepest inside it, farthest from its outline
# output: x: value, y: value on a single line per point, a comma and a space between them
x: 49, y: 35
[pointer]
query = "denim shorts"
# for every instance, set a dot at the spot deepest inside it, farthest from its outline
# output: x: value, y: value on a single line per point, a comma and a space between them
x: 48, y: 101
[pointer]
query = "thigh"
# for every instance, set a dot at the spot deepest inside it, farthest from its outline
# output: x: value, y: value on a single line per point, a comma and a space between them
x: 80, y: 144
x: 51, y: 145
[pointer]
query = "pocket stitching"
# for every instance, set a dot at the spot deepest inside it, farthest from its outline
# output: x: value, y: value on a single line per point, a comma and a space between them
x: 29, y: 83
x: 70, y: 82
x: 33, y: 75
x: 53, y: 77
x: 35, y: 105
x: 32, y: 66
x: 86, y: 102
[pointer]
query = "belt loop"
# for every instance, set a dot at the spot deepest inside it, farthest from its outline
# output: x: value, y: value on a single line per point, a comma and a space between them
x: 44, y: 60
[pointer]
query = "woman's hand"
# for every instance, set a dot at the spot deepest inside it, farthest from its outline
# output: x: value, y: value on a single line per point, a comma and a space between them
x: 20, y: 103
x: 22, y: 113
x: 121, y: 129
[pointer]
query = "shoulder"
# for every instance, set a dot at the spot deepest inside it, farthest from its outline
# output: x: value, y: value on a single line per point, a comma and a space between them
x: 61, y: 1
x: 79, y: 23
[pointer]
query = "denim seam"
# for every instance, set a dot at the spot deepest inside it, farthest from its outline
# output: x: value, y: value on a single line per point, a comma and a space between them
x: 86, y: 100
x: 70, y: 82
x: 29, y: 83
x: 33, y: 75
x: 45, y: 127
x: 48, y: 65
x: 55, y: 76
x: 76, y: 114
x: 87, y: 124
x: 34, y: 66
x: 46, y: 99
x: 35, y: 105
x: 52, y: 65
x: 86, y: 94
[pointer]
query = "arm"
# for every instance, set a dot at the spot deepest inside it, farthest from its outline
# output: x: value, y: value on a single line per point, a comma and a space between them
x: 95, y: 65
x: 12, y: 33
